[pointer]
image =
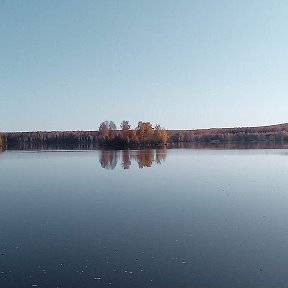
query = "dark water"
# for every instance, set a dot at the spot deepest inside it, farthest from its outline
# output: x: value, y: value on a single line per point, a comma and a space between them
x: 151, y: 218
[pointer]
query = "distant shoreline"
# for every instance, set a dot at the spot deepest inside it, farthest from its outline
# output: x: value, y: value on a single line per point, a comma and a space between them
x: 243, y: 135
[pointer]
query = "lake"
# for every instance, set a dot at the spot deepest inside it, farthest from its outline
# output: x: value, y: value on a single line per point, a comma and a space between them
x: 144, y: 218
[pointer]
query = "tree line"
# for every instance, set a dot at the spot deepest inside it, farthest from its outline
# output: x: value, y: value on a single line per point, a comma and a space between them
x: 144, y: 134
x: 273, y: 133
x: 23, y: 140
x: 107, y: 134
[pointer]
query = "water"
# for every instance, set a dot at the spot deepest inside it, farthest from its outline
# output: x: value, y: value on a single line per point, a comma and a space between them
x: 149, y: 218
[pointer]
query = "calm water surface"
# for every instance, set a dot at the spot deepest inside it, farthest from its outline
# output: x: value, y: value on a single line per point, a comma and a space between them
x: 150, y: 218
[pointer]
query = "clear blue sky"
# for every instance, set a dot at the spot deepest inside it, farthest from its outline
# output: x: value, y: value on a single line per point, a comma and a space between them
x: 68, y: 65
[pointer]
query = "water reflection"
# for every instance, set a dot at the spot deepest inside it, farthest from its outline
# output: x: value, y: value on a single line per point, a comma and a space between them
x: 94, y: 146
x: 232, y: 146
x: 144, y: 158
x: 108, y: 159
x: 52, y: 146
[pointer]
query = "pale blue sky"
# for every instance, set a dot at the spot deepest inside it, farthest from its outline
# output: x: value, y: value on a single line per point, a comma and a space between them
x: 68, y: 65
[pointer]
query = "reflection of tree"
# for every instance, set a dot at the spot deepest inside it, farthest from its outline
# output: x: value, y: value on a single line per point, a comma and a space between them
x: 161, y: 155
x: 144, y: 158
x: 126, y: 162
x: 108, y: 159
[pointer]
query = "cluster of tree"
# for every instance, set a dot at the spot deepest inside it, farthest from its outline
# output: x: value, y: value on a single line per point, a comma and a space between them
x: 274, y: 133
x: 144, y: 134
x: 144, y: 158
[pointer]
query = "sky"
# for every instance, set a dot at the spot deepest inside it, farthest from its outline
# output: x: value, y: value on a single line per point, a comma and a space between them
x: 185, y: 64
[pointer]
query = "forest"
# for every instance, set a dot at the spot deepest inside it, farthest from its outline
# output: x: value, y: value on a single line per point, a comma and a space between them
x: 272, y: 133
x: 106, y: 135
x: 143, y: 135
